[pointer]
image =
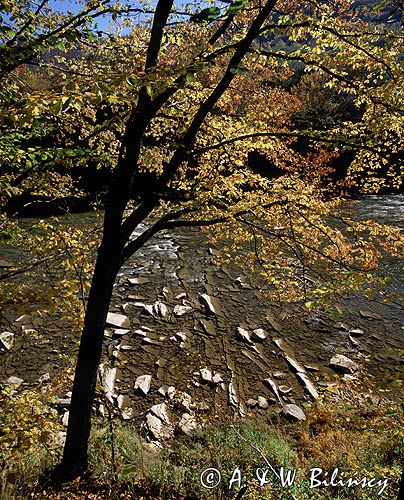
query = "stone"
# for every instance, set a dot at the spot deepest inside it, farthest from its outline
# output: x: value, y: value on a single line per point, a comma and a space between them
x: 125, y: 307
x: 251, y: 403
x: 180, y: 296
x: 356, y: 332
x: 343, y: 364
x: 212, y: 304
x: 185, y: 401
x: 6, y: 340
x: 181, y: 310
x: 188, y: 424
x: 157, y: 428
x: 118, y: 320
x: 44, y: 378
x: 263, y: 403
x: 108, y: 378
x: 243, y: 334
x: 65, y: 418
x: 293, y: 412
x: 121, y: 331
x: 206, y: 374
x: 280, y: 375
x: 233, y: 399
x: 311, y: 368
x: 143, y: 383
x: 161, y: 309
x: 63, y: 402
x: 160, y: 411
x: 240, y: 280
x: 171, y: 392
x: 274, y: 388
x: 259, y: 334
x: 14, y: 381
x: 217, y: 378
x: 138, y: 281
x: 308, y: 385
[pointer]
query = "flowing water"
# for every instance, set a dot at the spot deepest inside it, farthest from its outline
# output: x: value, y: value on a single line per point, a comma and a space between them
x: 188, y: 315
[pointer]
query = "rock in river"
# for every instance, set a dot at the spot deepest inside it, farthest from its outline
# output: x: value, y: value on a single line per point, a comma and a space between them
x: 343, y: 364
x: 293, y: 412
x: 118, y: 320
x: 143, y: 383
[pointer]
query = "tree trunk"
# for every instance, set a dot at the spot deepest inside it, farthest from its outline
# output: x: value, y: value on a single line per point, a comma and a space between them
x: 75, y: 458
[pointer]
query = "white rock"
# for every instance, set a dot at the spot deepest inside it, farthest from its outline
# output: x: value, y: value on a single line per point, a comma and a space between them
x: 233, y: 399
x: 243, y: 334
x: 308, y: 385
x: 171, y: 392
x: 108, y: 378
x: 212, y: 304
x: 181, y: 310
x: 138, y: 281
x: 187, y: 424
x: 14, y: 381
x: 343, y: 364
x: 118, y: 320
x: 65, y: 418
x: 293, y: 412
x: 160, y: 411
x: 251, y: 403
x: 217, y: 378
x: 260, y: 334
x: 206, y: 374
x: 263, y: 403
x: 121, y: 331
x: 143, y: 383
x: 160, y: 308
x: 356, y: 332
x: 6, y: 340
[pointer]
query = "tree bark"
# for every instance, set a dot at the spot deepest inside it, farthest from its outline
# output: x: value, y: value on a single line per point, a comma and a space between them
x: 75, y: 457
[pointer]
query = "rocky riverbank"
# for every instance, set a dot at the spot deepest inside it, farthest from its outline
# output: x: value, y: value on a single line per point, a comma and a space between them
x: 189, y: 342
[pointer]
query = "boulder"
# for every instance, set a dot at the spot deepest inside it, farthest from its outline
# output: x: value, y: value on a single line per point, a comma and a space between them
x: 118, y: 320
x: 259, y: 334
x: 243, y: 334
x: 143, y: 383
x: 343, y: 364
x: 181, y: 310
x: 6, y: 340
x: 188, y: 424
x: 14, y: 381
x: 293, y: 412
x: 263, y: 403
x: 206, y: 374
x: 211, y: 303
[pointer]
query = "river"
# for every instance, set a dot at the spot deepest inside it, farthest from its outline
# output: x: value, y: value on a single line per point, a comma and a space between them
x: 174, y: 333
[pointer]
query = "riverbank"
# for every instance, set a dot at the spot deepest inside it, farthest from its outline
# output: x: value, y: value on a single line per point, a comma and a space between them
x: 341, y: 451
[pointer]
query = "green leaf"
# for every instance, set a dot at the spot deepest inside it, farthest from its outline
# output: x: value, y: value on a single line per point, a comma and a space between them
x: 60, y: 45
x: 237, y: 6
x: 190, y: 77
x: 239, y: 70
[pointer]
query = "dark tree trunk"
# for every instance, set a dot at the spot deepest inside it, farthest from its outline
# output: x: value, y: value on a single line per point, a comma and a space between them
x: 75, y: 452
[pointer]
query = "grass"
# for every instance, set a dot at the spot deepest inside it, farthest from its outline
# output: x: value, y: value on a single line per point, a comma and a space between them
x: 366, y: 438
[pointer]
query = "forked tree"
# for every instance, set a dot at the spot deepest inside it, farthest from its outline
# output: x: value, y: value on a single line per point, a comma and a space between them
x: 198, y: 97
